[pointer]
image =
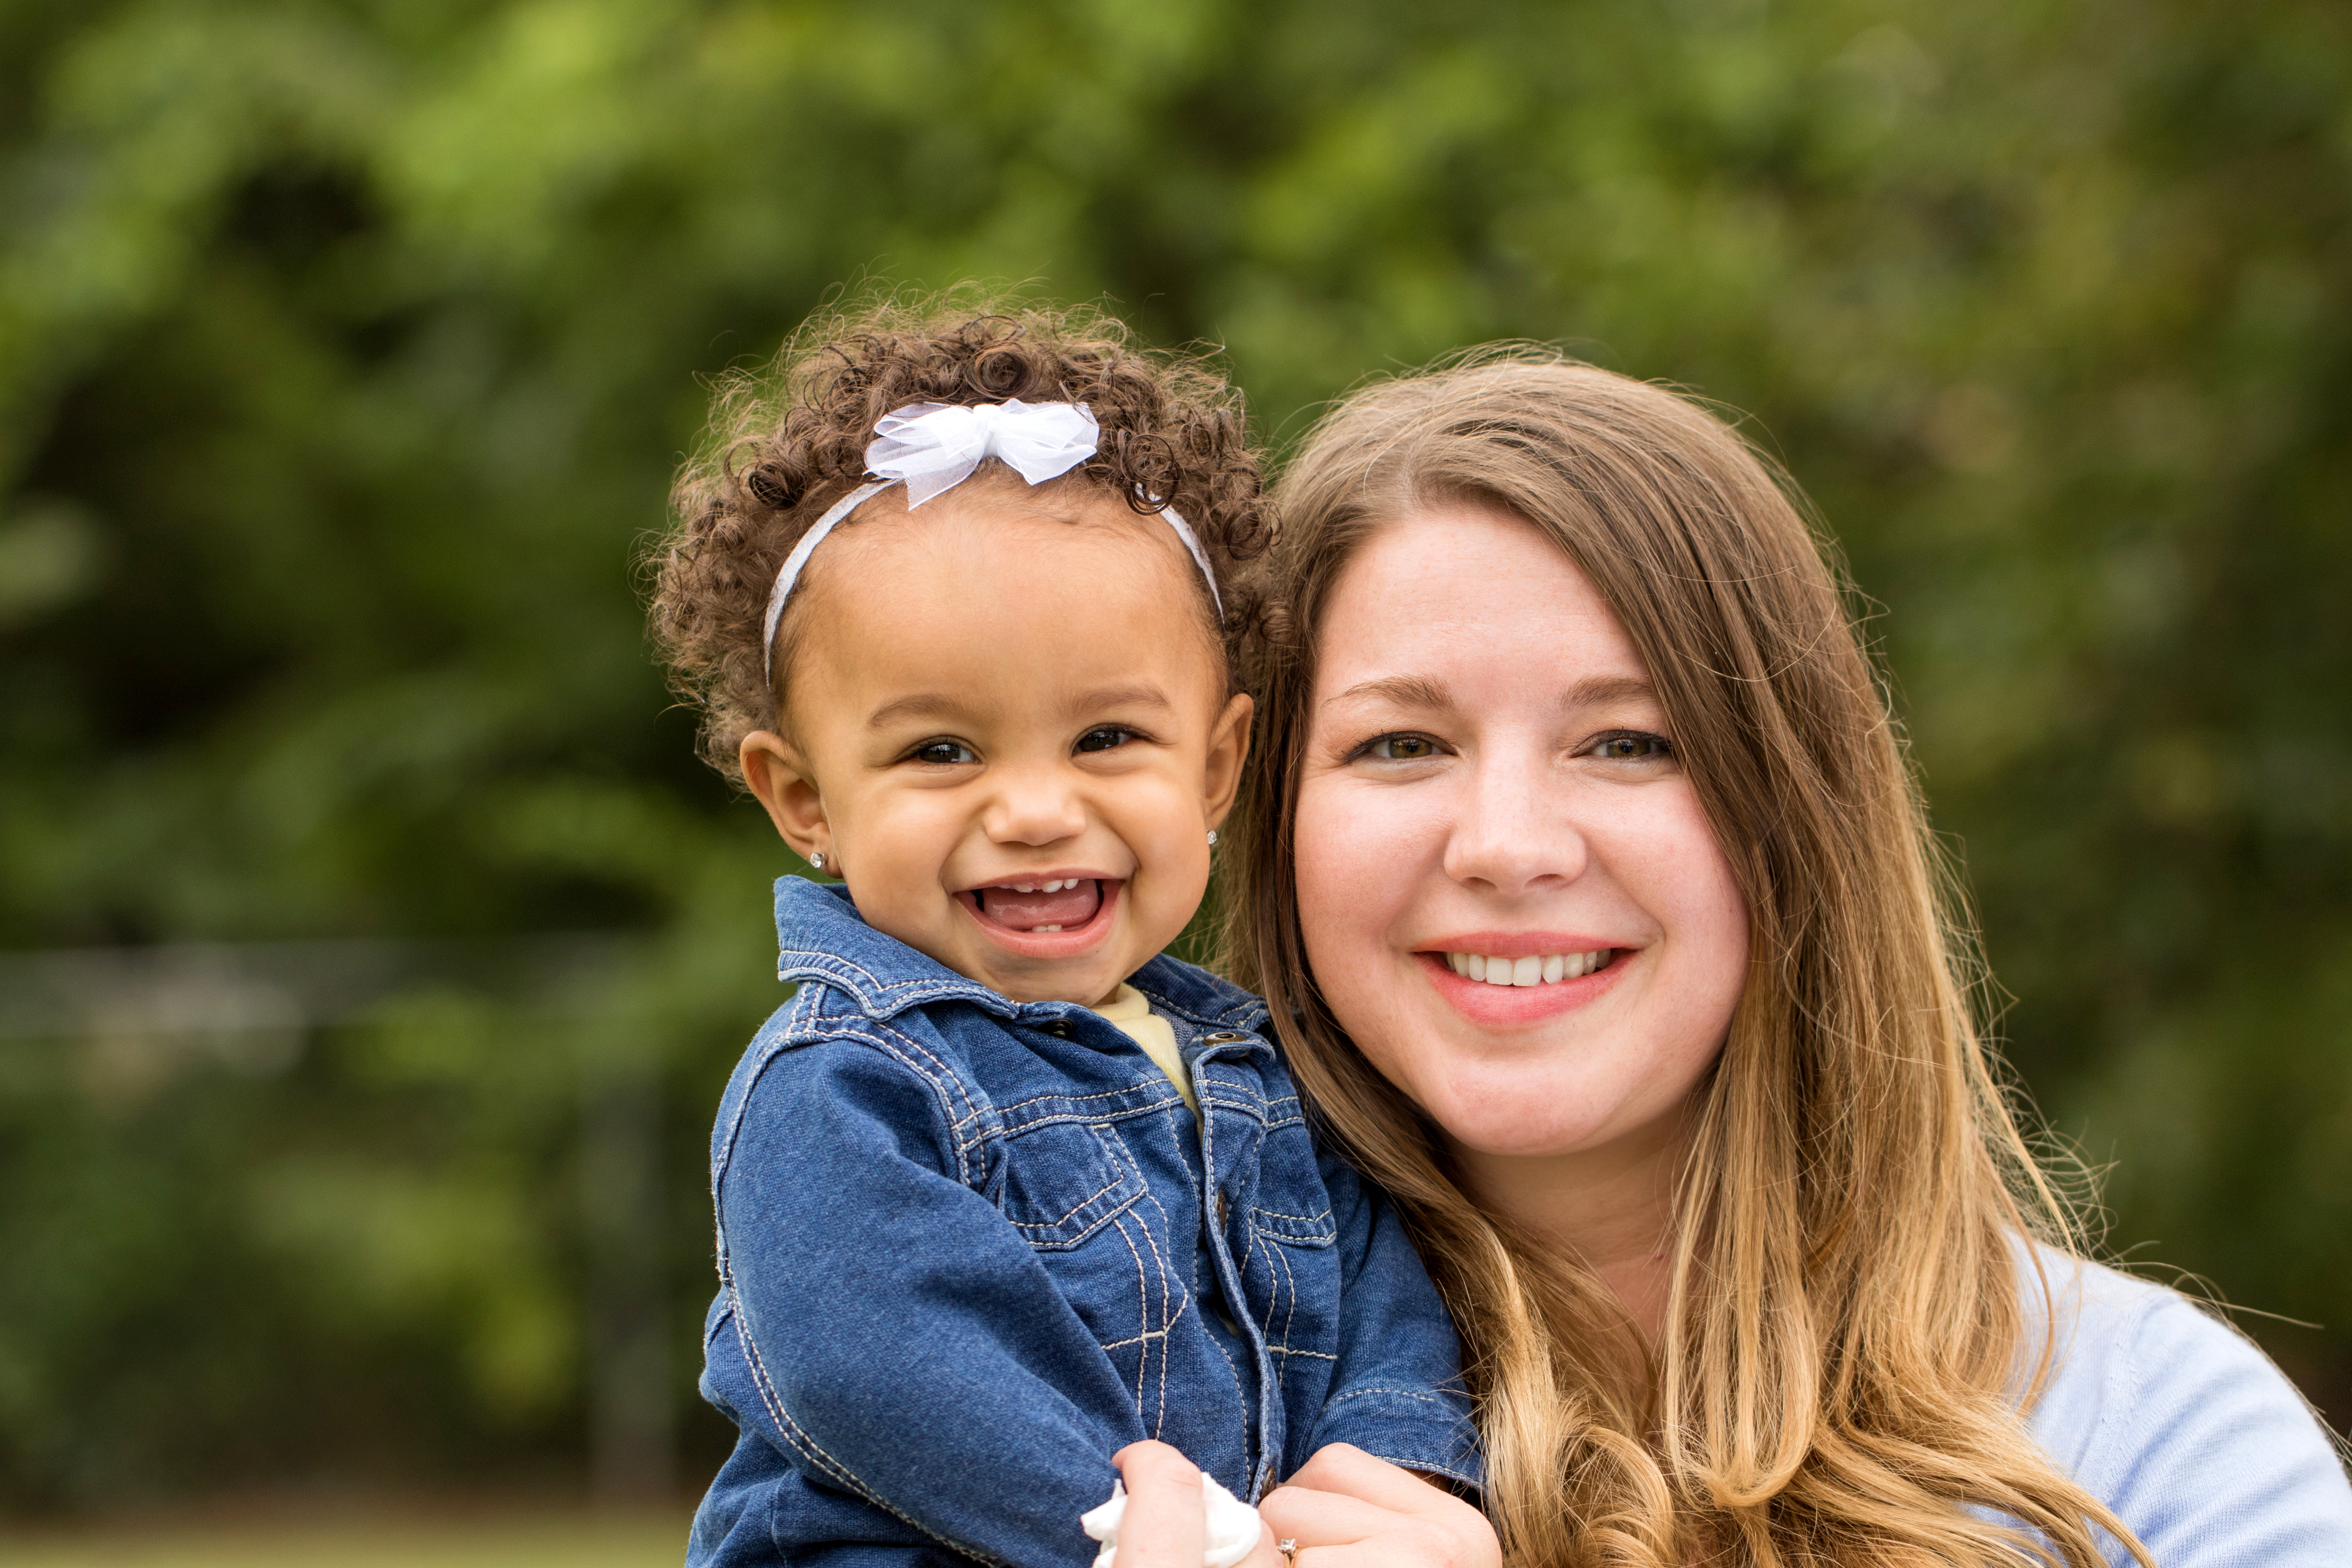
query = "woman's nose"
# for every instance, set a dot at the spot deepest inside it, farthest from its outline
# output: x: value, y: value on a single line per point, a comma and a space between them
x: 1035, y: 807
x: 1515, y: 830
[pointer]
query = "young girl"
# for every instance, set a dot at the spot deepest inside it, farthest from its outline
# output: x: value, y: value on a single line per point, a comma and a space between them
x: 1002, y: 1189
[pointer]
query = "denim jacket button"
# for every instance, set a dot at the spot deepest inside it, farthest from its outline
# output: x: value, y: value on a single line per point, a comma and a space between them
x: 1226, y: 1037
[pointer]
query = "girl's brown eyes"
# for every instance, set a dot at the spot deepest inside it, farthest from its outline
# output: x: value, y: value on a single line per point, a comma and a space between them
x: 942, y: 753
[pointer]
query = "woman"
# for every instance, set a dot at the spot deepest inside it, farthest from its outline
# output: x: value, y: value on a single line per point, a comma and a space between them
x: 1599, y: 911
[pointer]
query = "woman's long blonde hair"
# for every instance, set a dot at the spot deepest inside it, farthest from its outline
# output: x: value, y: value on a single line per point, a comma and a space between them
x: 1846, y: 1349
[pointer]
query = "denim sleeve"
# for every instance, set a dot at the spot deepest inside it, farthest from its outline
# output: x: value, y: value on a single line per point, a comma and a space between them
x: 906, y: 1347
x: 1397, y: 1393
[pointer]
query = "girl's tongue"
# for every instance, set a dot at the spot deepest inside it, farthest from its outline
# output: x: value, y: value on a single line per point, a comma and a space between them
x: 1071, y: 904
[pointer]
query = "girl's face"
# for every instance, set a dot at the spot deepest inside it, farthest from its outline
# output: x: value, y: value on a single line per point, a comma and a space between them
x: 1510, y: 895
x: 1009, y: 732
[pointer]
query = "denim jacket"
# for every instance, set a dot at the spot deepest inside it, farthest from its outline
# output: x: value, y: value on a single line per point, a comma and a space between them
x: 970, y: 1248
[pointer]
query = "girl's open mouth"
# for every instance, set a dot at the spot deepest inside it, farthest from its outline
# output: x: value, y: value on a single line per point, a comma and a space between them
x: 1062, y: 904
x: 1054, y: 918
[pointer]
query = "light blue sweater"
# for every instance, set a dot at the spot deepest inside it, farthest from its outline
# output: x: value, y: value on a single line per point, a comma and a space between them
x: 2181, y: 1425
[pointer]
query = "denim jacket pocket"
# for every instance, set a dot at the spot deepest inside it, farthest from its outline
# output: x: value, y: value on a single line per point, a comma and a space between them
x: 1295, y: 1229
x: 1286, y: 1167
x: 1063, y: 1181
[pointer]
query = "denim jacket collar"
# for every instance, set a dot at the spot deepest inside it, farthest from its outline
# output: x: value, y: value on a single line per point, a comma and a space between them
x: 820, y: 937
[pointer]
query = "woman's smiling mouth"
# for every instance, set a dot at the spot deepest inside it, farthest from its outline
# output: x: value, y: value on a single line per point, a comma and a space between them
x: 1548, y: 969
x: 1520, y: 986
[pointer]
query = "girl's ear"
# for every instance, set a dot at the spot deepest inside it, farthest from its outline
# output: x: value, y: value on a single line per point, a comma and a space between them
x: 782, y: 778
x: 1228, y: 750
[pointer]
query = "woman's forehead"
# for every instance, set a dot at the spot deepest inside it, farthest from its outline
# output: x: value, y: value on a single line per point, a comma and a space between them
x: 1464, y: 587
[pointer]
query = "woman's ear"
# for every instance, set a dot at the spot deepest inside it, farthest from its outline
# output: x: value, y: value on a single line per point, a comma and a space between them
x: 1229, y: 739
x: 782, y: 778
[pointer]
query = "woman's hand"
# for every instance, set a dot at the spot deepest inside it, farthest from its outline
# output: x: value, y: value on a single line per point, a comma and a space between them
x: 1162, y: 1525
x: 1344, y: 1508
x: 1347, y: 1509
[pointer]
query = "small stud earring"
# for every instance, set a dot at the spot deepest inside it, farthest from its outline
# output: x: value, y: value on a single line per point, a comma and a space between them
x: 1213, y: 838
x: 816, y: 860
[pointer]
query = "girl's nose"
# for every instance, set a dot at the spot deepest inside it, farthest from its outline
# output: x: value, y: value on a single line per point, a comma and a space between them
x: 1034, y: 806
x: 1515, y: 830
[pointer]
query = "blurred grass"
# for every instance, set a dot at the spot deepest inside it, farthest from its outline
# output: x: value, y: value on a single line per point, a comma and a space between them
x: 568, y: 1539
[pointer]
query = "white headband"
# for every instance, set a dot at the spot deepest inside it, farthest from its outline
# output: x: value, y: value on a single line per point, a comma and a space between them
x: 931, y: 447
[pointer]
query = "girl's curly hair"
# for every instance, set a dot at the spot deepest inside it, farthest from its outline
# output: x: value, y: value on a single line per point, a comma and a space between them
x: 785, y: 444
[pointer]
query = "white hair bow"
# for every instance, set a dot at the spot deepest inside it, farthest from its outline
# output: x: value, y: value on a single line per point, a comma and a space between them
x: 931, y: 447
x: 934, y: 446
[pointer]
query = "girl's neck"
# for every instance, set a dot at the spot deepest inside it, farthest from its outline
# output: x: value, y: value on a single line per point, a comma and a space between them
x: 1612, y: 1206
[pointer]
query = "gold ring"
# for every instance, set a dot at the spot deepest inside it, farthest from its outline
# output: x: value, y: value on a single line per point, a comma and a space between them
x: 1289, y: 1547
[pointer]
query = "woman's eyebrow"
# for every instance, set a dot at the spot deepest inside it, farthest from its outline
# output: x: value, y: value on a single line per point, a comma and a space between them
x: 1596, y: 690
x: 1404, y: 690
x: 1420, y: 692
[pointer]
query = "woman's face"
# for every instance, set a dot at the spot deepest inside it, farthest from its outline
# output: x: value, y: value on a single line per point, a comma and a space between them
x: 1490, y: 793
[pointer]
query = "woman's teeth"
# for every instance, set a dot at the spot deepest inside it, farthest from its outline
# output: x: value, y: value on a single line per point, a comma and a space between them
x: 1548, y: 969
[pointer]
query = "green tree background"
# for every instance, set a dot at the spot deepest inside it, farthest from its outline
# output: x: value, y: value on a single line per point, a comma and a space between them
x: 346, y: 349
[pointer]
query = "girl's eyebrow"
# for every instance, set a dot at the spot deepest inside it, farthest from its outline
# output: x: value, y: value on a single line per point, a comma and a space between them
x: 923, y: 705
x: 939, y: 705
x: 1141, y: 695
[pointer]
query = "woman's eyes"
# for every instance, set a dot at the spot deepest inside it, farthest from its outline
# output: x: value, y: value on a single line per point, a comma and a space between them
x: 1399, y: 748
x: 1631, y: 746
x: 942, y: 753
x: 1615, y: 746
x: 1106, y: 737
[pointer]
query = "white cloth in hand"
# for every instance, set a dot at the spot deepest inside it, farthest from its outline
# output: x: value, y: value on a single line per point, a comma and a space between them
x: 1229, y: 1527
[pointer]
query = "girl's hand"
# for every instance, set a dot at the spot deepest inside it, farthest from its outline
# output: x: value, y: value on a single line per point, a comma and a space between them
x: 1162, y: 1527
x: 1347, y: 1509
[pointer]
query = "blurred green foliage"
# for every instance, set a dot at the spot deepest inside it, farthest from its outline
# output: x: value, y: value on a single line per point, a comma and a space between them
x: 346, y: 348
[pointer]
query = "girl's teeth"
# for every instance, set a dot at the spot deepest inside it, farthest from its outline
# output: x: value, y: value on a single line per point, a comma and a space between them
x: 1549, y: 970
x: 1035, y: 929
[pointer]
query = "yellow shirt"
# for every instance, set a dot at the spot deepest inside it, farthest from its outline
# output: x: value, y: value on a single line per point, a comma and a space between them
x: 1132, y: 1012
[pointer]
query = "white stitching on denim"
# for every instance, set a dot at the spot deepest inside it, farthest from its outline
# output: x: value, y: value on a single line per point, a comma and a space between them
x: 1064, y: 1219
x: 1142, y: 1318
x: 1167, y: 1321
x: 1123, y: 1171
x: 793, y: 1431
x: 1142, y: 1372
x: 1233, y: 1368
x: 1159, y: 1102
x: 1289, y: 1312
x: 800, y: 1437
x: 1400, y: 1393
x: 827, y: 971
x: 945, y: 1077
x: 1301, y: 1218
